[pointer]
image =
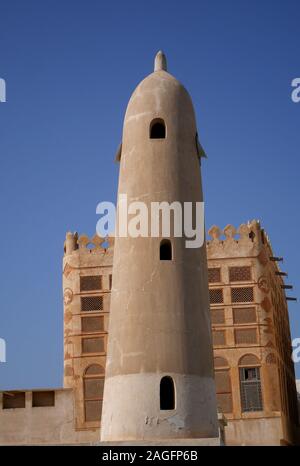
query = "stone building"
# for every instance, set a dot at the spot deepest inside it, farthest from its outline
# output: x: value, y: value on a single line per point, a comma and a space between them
x: 255, y: 380
x: 254, y: 371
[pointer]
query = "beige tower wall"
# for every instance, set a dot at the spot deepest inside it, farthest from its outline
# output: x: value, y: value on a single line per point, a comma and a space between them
x: 160, y: 322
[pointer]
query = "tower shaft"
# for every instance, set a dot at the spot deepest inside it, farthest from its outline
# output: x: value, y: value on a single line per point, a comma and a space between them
x: 159, y: 374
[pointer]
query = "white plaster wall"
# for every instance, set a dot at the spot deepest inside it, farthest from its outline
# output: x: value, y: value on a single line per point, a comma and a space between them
x: 132, y: 408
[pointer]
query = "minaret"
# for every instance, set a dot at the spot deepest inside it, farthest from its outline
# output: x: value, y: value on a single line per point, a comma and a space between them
x: 159, y: 374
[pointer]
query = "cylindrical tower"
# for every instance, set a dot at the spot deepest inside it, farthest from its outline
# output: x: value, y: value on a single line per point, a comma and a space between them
x: 159, y: 374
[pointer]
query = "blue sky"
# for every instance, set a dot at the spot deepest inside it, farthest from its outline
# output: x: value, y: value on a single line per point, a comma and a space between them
x: 70, y: 67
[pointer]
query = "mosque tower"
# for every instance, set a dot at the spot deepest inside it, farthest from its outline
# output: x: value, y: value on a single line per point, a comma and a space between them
x: 159, y: 380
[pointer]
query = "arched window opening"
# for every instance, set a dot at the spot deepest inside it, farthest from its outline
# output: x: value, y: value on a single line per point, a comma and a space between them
x: 251, y: 393
x: 167, y: 393
x: 157, y: 129
x: 165, y: 251
x: 93, y: 385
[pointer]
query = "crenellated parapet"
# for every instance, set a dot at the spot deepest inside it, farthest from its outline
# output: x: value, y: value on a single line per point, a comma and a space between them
x: 247, y: 240
x: 85, y: 245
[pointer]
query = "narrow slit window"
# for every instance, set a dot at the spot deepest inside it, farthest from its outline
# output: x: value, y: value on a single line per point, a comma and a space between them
x: 157, y: 129
x: 167, y: 393
x: 165, y: 251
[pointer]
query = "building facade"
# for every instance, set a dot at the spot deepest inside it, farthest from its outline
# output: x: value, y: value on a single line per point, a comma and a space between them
x: 254, y: 372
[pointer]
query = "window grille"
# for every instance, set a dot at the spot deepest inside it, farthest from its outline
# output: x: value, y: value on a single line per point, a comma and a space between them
x: 91, y: 303
x: 245, y: 336
x: 239, y: 274
x: 242, y: 295
x: 93, y: 410
x: 217, y: 316
x: 91, y: 283
x: 216, y: 296
x: 251, y: 396
x: 92, y: 324
x: 93, y: 345
x: 219, y: 338
x: 223, y: 389
x: 214, y: 275
x: 93, y: 386
x: 222, y: 379
x: 244, y: 315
